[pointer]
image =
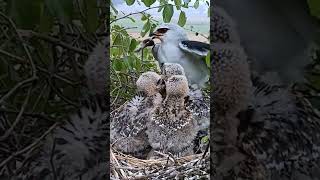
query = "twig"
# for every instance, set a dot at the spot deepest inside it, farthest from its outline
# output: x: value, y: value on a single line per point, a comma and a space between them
x: 140, y: 12
x: 51, y: 160
x: 35, y: 115
x: 17, y: 58
x: 17, y: 87
x: 18, y: 118
x: 116, y: 161
x: 28, y: 147
x: 54, y: 41
x: 57, y: 91
x: 24, y: 46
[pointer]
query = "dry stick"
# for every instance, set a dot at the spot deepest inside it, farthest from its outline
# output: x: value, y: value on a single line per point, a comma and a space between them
x: 17, y: 58
x: 34, y: 76
x: 25, y: 103
x: 116, y: 161
x: 54, y: 41
x: 24, y: 82
x: 140, y: 12
x: 51, y: 160
x: 28, y: 147
x: 114, y: 171
x: 24, y: 46
x: 22, y: 61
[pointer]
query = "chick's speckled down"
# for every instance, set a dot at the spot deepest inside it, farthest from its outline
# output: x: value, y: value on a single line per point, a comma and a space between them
x: 128, y: 123
x: 172, y: 129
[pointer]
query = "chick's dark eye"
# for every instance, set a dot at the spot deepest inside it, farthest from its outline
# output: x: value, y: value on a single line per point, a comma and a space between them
x: 163, y: 30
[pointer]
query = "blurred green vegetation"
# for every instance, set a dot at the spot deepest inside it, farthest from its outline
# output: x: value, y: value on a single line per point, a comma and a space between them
x: 126, y: 64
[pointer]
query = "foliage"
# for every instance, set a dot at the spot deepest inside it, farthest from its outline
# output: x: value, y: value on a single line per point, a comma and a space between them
x: 127, y: 65
x: 314, y: 6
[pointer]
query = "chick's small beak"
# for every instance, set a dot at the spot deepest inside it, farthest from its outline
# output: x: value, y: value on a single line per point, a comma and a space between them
x: 162, y: 87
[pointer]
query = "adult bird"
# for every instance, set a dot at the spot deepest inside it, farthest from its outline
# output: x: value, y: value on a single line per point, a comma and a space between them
x: 176, y: 48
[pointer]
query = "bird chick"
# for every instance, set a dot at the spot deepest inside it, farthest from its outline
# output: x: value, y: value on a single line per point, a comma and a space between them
x: 172, y: 129
x: 223, y: 27
x: 283, y: 133
x: 231, y: 79
x: 128, y: 123
x: 169, y: 69
x: 96, y: 69
x: 196, y: 102
x: 76, y: 149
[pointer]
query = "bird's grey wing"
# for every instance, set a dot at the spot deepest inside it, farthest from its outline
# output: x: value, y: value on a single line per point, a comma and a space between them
x: 195, y: 47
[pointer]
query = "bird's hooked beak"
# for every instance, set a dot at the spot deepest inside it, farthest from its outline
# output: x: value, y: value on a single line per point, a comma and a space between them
x: 156, y: 35
x: 145, y: 43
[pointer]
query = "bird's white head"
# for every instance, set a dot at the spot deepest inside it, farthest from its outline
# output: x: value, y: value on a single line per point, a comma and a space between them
x: 177, y: 86
x: 169, y: 32
x: 150, y: 83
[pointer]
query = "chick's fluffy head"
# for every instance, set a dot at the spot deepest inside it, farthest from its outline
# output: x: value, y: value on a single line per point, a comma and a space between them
x: 177, y: 85
x: 149, y: 83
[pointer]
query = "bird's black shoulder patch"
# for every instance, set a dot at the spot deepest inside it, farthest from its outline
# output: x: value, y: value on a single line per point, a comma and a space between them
x: 200, y: 46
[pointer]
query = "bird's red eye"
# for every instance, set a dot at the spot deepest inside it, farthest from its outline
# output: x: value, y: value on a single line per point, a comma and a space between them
x: 163, y: 30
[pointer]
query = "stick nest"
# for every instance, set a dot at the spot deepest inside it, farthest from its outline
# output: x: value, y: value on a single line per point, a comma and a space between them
x: 125, y: 166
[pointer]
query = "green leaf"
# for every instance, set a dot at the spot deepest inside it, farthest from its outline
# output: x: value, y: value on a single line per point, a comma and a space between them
x: 178, y: 4
x: 153, y: 27
x: 133, y: 45
x: 182, y: 19
x: 314, y: 6
x: 148, y: 3
x: 196, y: 4
x: 167, y: 13
x: 138, y: 64
x: 208, y: 61
x: 132, y: 62
x: 145, y: 28
x: 205, y: 139
x: 117, y: 65
x: 144, y: 17
x: 117, y: 40
x: 130, y: 2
